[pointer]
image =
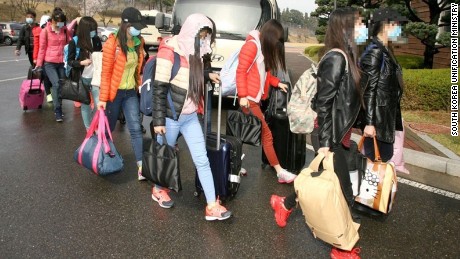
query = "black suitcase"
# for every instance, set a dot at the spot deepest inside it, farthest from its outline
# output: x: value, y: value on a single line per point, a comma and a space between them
x: 225, y: 157
x: 289, y: 147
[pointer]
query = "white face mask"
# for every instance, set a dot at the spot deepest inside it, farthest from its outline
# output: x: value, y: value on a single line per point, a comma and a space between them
x: 29, y: 20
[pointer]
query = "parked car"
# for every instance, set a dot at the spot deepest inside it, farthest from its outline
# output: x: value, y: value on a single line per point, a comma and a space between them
x: 10, y: 32
x: 104, y: 32
x: 1, y: 35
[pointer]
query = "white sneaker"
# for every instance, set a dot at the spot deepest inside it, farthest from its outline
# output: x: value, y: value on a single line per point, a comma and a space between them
x: 49, y: 98
x: 286, y: 177
x: 140, y: 177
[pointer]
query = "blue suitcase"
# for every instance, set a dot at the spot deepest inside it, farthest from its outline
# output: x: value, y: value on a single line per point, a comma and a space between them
x: 225, y: 157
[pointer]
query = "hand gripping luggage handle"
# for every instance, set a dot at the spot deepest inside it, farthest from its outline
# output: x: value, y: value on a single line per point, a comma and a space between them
x: 321, y: 159
x: 219, y: 113
x: 376, y: 148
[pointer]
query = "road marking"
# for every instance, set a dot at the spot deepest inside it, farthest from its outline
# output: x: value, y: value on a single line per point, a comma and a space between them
x: 12, y: 60
x: 429, y: 188
x: 12, y: 79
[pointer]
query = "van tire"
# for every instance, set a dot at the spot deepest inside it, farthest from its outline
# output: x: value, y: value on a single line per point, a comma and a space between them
x: 104, y: 38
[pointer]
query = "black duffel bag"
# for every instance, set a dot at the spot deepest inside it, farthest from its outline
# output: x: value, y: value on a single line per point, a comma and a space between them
x: 75, y: 91
x: 246, y: 127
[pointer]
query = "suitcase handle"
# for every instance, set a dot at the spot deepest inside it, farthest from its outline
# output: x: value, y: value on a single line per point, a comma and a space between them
x: 219, y: 113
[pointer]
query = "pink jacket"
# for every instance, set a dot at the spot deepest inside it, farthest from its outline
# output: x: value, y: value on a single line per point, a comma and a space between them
x: 52, y: 44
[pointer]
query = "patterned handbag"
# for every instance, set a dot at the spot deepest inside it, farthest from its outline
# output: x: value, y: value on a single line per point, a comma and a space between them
x: 379, y: 183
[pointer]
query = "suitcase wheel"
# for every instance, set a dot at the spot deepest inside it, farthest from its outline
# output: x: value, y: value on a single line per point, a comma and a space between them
x: 40, y: 106
x: 25, y: 108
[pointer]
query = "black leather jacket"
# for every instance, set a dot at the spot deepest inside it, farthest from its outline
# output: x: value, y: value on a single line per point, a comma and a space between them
x: 77, y: 68
x: 382, y: 87
x: 337, y: 101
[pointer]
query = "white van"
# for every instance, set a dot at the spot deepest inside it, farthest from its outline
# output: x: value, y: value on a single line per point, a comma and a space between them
x: 151, y: 35
x: 234, y: 20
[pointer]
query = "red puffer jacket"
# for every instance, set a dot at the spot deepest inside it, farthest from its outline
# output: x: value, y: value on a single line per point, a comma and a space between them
x: 248, y: 83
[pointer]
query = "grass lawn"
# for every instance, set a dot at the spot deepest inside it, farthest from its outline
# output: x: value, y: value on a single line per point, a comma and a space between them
x: 437, y: 118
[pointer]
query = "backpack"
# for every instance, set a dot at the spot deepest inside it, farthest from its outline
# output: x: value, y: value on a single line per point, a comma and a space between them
x: 228, y: 72
x: 299, y: 109
x: 322, y: 202
x: 67, y: 67
x: 148, y: 75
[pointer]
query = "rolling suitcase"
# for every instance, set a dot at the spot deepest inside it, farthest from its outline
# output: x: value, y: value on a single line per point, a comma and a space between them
x: 225, y: 157
x: 289, y: 147
x: 31, y: 94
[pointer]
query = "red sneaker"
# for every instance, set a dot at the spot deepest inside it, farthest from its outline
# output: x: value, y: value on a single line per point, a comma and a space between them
x: 342, y: 254
x: 281, y: 213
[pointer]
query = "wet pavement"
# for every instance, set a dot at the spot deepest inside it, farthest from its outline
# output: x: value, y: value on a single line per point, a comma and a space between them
x: 50, y: 207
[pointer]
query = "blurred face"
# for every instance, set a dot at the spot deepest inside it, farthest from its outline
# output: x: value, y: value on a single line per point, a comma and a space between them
x: 361, y: 31
x: 205, y: 41
x: 393, y: 30
x: 29, y: 18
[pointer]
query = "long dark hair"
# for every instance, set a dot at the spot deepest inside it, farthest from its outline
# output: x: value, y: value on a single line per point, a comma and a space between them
x: 123, y: 37
x: 340, y: 34
x: 196, y: 79
x: 86, y: 25
x: 272, y: 42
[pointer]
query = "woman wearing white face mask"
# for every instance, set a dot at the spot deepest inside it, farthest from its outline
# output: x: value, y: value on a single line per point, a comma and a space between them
x: 382, y: 78
x: 53, y: 38
x: 79, y: 59
x: 123, y: 54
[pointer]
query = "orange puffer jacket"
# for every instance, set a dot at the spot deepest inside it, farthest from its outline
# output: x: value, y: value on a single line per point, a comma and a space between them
x: 113, y: 66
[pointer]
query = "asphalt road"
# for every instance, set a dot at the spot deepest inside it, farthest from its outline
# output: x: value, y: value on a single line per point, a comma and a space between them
x: 50, y: 207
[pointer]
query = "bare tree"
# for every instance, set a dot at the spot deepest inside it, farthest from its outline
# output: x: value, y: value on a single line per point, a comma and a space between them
x: 25, y: 5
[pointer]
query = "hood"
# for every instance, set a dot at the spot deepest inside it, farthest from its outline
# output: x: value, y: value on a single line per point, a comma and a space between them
x: 189, y: 30
x: 254, y: 34
x: 44, y: 20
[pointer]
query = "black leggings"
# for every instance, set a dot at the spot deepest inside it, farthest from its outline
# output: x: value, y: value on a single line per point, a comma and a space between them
x: 385, y: 149
x: 341, y: 169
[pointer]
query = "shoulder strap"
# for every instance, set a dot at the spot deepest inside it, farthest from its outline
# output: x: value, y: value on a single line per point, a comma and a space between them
x: 343, y: 53
x: 175, y: 70
x: 259, y: 50
x: 176, y: 66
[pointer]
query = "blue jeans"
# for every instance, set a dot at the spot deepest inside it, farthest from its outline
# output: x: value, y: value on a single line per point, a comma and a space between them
x: 86, y: 111
x: 190, y: 128
x: 55, y: 71
x: 129, y: 102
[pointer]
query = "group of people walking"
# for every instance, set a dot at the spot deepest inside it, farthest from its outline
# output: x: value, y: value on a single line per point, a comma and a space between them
x: 353, y: 90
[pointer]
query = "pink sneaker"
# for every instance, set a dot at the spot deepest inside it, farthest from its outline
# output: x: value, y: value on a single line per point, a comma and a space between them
x: 161, y: 196
x: 218, y: 212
